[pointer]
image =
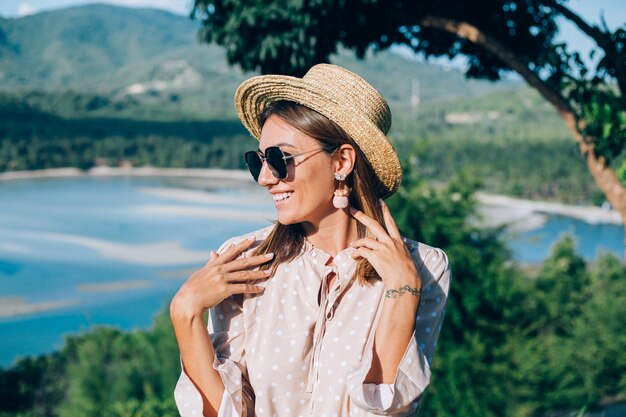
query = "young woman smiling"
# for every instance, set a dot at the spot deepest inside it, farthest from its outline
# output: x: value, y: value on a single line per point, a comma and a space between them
x: 330, y: 311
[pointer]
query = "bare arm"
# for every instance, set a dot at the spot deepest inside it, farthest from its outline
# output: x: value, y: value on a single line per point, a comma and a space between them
x: 197, y: 354
x: 220, y: 278
x: 393, y: 335
x: 394, y: 263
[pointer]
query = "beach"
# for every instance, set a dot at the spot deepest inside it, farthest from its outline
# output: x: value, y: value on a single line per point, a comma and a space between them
x: 522, y: 214
x: 225, y: 174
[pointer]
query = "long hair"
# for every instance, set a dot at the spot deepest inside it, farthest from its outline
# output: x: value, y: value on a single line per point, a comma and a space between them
x: 286, y: 241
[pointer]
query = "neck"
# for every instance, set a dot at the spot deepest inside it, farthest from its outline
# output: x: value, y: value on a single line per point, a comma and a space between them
x: 332, y: 234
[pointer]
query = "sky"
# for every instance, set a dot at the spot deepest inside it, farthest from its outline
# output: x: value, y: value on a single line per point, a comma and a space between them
x: 614, y: 12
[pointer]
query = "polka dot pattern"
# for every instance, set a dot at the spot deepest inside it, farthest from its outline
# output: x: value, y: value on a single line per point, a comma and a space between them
x: 281, y: 353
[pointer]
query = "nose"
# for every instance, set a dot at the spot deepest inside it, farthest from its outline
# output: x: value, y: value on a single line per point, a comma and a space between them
x: 265, y: 176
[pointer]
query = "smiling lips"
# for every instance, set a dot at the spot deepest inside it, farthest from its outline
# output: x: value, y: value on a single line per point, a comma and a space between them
x: 281, y: 196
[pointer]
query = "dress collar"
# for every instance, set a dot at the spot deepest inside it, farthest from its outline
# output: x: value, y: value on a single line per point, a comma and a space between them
x: 342, y: 264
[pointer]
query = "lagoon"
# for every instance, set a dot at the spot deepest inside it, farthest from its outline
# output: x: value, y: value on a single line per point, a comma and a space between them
x: 84, y: 251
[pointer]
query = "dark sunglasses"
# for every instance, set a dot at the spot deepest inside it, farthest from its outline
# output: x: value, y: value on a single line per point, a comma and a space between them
x: 276, y: 159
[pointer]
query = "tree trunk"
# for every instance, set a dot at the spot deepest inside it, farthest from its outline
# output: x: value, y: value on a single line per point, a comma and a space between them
x: 603, y: 174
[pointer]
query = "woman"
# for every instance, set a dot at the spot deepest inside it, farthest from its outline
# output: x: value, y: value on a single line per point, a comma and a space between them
x: 329, y: 312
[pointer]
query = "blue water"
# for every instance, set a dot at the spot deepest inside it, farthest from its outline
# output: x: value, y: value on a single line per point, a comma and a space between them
x: 533, y: 246
x: 58, y: 236
x: 44, y: 257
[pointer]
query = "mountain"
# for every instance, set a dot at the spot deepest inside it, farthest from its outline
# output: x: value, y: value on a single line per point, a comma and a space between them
x: 63, y: 48
x: 152, y: 54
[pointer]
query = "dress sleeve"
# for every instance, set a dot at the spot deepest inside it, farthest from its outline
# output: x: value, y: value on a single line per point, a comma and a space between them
x: 226, y: 329
x: 402, y: 398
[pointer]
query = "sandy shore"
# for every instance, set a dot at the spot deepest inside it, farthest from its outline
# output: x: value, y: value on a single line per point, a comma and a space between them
x: 116, y: 286
x: 225, y: 174
x: 18, y: 306
x: 499, y: 209
x: 495, y: 209
x: 164, y: 253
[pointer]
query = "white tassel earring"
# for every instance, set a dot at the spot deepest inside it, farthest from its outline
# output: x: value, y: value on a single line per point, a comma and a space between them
x: 340, y: 200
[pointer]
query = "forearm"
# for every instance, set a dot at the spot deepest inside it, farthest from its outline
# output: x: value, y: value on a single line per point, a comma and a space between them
x: 197, y: 355
x: 393, y: 335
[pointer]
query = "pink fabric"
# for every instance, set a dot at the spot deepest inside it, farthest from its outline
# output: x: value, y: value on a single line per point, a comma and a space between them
x: 280, y: 354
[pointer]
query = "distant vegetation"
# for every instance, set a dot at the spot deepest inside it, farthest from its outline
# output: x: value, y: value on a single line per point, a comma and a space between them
x: 510, y: 139
x: 34, y: 139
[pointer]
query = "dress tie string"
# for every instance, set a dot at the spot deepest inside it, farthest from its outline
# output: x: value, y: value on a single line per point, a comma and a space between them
x: 318, y: 335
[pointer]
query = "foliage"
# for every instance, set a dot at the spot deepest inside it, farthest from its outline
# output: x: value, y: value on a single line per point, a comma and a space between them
x: 474, y: 343
x: 289, y: 36
x: 515, y: 142
x: 571, y: 358
x: 33, y: 139
x: 603, y: 115
x: 104, y: 373
x: 494, y: 37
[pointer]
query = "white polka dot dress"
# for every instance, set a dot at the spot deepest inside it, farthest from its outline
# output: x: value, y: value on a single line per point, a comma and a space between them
x: 280, y: 353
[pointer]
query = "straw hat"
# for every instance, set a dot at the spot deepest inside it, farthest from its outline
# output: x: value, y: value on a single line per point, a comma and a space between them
x: 340, y: 95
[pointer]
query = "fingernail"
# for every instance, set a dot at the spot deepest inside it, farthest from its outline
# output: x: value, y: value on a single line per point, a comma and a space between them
x: 382, y: 202
x: 268, y: 272
x: 269, y: 255
x: 252, y: 239
x: 352, y: 210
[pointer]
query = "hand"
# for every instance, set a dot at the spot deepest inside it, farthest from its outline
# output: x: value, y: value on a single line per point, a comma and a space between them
x: 221, y: 277
x: 387, y: 253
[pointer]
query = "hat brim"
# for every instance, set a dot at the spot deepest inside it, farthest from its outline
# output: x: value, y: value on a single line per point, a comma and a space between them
x: 255, y: 94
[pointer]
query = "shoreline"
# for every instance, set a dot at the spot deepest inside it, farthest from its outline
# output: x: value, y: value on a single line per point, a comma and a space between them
x: 496, y: 209
x: 217, y: 173
x: 535, y: 212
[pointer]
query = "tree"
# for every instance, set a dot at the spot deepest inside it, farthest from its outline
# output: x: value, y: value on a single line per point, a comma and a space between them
x: 496, y: 37
x: 488, y: 303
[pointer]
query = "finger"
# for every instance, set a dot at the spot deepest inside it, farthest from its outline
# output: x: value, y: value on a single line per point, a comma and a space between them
x: 367, y: 242
x: 370, y: 223
x: 212, y: 257
x: 362, y: 253
x: 247, y: 263
x: 245, y: 288
x: 390, y: 223
x: 247, y: 275
x: 234, y: 250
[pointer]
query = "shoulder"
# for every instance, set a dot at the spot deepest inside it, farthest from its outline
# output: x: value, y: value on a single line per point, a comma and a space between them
x: 429, y: 259
x: 260, y: 235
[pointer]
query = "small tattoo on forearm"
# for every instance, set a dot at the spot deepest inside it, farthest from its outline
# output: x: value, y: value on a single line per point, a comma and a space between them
x: 391, y: 293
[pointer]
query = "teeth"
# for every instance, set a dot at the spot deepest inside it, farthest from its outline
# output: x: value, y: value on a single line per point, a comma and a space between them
x: 281, y: 196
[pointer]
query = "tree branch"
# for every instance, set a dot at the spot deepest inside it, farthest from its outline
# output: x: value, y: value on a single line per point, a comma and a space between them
x: 604, y: 176
x: 602, y: 39
x: 475, y: 35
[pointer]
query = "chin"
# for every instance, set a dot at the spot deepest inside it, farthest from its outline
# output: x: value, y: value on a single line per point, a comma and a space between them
x: 286, y: 219
x: 294, y: 215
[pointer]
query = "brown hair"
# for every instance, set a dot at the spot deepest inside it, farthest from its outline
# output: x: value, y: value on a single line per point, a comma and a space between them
x: 286, y: 241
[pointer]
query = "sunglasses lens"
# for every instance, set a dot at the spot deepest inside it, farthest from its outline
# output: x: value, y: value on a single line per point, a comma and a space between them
x: 253, y: 160
x: 275, y: 159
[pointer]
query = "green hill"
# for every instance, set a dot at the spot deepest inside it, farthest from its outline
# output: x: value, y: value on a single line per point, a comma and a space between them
x: 141, y: 52
x: 79, y: 45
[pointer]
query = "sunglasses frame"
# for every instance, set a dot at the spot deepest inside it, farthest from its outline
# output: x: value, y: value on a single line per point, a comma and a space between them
x: 284, y: 158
